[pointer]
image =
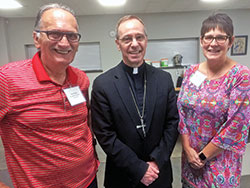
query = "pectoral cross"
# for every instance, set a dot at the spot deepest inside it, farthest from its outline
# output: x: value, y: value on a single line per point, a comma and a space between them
x: 142, y: 126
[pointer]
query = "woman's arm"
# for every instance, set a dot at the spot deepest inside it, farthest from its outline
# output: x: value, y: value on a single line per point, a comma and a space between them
x: 211, y: 151
x: 192, y: 155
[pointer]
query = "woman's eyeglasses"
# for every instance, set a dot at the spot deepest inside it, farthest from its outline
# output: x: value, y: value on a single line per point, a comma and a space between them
x: 220, y: 39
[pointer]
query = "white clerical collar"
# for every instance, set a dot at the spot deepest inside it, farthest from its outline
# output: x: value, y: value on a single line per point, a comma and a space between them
x: 135, y: 70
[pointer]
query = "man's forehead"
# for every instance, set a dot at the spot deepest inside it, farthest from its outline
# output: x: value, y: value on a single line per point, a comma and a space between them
x: 57, y: 17
x: 55, y: 13
x: 131, y: 23
x: 122, y: 28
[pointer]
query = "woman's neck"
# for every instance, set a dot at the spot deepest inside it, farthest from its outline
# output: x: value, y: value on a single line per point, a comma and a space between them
x: 216, y: 69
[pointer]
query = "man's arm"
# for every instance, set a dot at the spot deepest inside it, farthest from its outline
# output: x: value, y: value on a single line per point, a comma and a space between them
x: 163, y: 151
x: 4, y: 107
x: 4, y: 95
x: 2, y: 185
x: 151, y: 174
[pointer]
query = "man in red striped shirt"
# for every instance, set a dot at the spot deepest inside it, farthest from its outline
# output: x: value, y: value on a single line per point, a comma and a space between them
x: 44, y: 109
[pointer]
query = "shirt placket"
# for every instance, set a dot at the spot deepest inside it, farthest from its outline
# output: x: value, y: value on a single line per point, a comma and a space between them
x: 65, y: 101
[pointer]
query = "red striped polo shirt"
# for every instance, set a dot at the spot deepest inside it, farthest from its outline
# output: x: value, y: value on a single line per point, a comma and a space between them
x: 47, y: 141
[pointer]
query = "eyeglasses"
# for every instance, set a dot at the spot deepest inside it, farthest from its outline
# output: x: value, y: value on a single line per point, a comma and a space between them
x: 220, y: 39
x: 58, y: 35
x: 129, y: 39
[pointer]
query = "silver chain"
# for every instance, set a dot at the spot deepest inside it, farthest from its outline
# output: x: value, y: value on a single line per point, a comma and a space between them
x: 144, y: 100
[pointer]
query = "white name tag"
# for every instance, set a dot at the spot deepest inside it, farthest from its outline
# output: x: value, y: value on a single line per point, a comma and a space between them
x: 197, y: 78
x: 74, y: 95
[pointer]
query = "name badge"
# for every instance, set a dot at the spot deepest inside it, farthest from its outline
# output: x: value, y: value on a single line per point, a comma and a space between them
x: 197, y: 78
x: 74, y: 95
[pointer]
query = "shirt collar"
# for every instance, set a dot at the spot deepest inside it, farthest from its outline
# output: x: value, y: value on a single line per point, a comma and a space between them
x: 130, y: 69
x: 42, y: 75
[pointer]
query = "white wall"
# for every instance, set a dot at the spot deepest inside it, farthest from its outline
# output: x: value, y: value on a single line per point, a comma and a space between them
x: 3, y: 41
x: 246, y: 162
x: 18, y: 32
x: 97, y: 28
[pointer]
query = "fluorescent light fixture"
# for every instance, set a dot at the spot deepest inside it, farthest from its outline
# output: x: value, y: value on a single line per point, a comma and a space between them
x: 9, y: 4
x: 112, y: 3
x: 213, y: 1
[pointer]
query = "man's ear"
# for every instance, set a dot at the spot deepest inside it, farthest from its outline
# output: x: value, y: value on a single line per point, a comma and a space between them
x: 36, y: 39
x: 117, y: 44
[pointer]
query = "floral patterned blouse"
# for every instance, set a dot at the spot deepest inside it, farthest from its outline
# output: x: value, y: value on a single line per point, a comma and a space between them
x: 216, y: 111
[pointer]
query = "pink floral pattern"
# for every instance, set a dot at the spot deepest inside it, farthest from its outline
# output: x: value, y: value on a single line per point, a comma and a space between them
x: 217, y: 111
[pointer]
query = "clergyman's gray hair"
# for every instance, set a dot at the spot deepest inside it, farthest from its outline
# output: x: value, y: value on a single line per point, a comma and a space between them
x: 126, y: 18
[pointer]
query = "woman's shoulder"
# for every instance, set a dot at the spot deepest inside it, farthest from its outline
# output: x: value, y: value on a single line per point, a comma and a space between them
x: 191, y: 69
x: 243, y: 67
x: 239, y: 76
x: 240, y: 70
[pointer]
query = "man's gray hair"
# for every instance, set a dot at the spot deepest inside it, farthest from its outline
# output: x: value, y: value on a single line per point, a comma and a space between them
x: 51, y: 6
x: 126, y: 18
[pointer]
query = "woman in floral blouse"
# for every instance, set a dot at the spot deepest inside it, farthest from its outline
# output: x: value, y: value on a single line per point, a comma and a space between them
x: 214, y: 108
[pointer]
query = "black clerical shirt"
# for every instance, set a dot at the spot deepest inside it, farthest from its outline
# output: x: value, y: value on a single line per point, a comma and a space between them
x: 136, y: 81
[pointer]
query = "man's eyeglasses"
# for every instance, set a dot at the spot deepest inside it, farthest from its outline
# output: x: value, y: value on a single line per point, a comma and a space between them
x: 58, y: 35
x: 220, y: 39
x: 129, y: 39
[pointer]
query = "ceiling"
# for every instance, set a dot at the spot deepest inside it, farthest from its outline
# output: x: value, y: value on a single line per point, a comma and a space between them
x: 92, y: 7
